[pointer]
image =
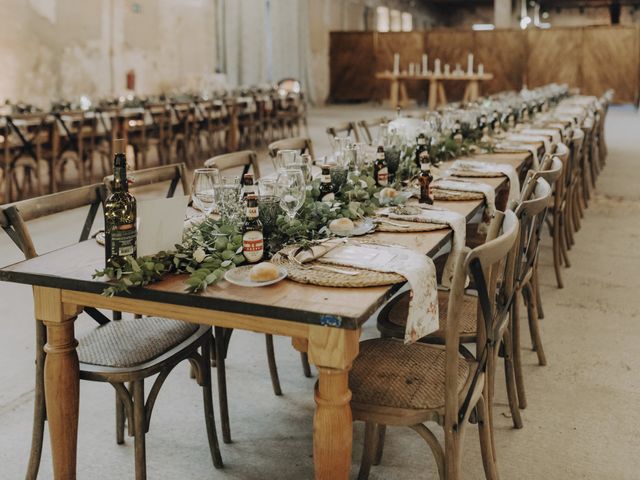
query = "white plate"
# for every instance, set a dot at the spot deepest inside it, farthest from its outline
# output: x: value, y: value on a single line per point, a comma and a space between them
x: 100, y: 238
x: 362, y: 227
x: 240, y: 276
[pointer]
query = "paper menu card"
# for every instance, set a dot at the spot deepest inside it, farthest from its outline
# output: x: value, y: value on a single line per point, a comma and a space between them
x: 160, y: 223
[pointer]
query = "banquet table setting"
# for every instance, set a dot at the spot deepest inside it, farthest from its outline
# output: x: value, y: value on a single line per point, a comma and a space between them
x: 313, y: 251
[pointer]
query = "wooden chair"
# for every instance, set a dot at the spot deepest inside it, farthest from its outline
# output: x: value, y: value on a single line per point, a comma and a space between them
x: 302, y: 144
x: 175, y: 173
x: 574, y: 194
x: 245, y: 160
x: 148, y: 346
x: 366, y: 128
x: 558, y: 214
x: 408, y: 385
x: 531, y: 212
x: 344, y: 130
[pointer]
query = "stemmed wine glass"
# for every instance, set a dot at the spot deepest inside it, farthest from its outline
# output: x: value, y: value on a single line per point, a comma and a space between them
x: 284, y: 158
x: 292, y: 191
x: 205, y: 181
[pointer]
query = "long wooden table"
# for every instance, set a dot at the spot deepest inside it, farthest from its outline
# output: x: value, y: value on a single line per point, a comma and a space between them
x: 324, y: 321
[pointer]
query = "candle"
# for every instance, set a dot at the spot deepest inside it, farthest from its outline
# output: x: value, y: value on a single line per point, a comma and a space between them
x: 396, y: 63
x: 447, y: 69
x: 425, y: 64
x: 436, y: 67
x: 480, y: 69
x: 470, y: 64
x: 458, y: 70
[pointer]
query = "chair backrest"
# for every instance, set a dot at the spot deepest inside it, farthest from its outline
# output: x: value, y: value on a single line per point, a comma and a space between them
x: 553, y: 172
x: 245, y: 159
x: 344, y: 130
x: 173, y: 173
x: 366, y: 127
x: 531, y: 213
x: 15, y: 215
x: 486, y: 264
x: 302, y: 144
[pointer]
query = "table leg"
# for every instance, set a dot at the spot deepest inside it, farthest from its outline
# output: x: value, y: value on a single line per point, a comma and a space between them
x: 433, y: 95
x: 61, y: 380
x: 332, y: 425
x: 395, y: 89
x: 404, y: 96
x: 442, y: 96
x: 332, y: 350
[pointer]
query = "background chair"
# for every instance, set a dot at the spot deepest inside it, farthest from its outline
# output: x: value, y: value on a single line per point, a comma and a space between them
x: 302, y: 144
x: 244, y: 161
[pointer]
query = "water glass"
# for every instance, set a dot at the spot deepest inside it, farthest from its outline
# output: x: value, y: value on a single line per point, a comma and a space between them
x: 204, y: 185
x: 267, y: 186
x: 228, y: 196
x: 268, y: 211
x: 283, y: 158
x: 292, y: 191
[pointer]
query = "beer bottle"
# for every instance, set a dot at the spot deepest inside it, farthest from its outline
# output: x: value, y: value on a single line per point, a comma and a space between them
x: 425, y: 180
x: 380, y: 168
x: 252, y: 235
x: 326, y: 187
x: 420, y: 147
x: 248, y: 188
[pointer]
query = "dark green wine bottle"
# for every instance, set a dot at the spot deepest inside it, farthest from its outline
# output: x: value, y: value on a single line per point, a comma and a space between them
x: 120, y: 214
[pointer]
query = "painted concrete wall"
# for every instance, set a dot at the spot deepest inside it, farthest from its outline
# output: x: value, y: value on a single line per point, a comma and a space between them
x: 54, y: 49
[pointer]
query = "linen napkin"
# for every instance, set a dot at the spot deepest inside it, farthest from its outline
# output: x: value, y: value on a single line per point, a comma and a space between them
x: 454, y: 220
x: 519, y: 147
x: 551, y: 132
x: 479, y: 167
x: 319, y: 250
x: 418, y: 269
x: 530, y: 139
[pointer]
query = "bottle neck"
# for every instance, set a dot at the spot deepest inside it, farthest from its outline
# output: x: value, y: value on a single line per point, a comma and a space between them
x: 120, y: 183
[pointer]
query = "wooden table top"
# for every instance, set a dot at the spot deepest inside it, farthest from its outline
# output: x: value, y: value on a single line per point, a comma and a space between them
x: 71, y: 268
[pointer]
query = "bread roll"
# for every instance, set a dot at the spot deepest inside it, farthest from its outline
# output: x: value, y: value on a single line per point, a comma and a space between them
x: 263, y: 272
x: 341, y: 225
x: 388, y: 192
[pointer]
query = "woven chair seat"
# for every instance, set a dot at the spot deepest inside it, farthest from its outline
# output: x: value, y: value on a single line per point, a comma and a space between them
x: 388, y: 373
x: 128, y: 343
x: 468, y: 313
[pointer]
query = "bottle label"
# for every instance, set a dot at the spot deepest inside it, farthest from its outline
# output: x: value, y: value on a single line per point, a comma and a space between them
x: 329, y: 197
x: 383, y: 177
x: 422, y: 141
x: 252, y: 212
x: 380, y: 156
x: 249, y: 190
x: 326, y: 179
x: 123, y: 241
x: 253, y: 246
x: 425, y: 166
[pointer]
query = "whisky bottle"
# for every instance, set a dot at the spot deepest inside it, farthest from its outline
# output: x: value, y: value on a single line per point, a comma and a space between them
x: 425, y: 180
x: 252, y: 233
x: 326, y: 187
x: 380, y: 168
x: 120, y: 214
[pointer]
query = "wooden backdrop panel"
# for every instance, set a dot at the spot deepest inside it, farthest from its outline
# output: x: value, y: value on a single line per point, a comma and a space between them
x: 610, y: 60
x: 503, y: 53
x: 450, y: 46
x: 352, y: 64
x: 410, y: 46
x: 554, y: 56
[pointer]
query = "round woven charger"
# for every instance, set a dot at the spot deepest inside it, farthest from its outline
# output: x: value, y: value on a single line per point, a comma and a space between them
x: 326, y: 278
x: 411, y: 227
x: 475, y: 173
x: 439, y: 194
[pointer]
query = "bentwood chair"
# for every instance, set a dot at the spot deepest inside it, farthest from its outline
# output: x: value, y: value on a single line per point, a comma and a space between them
x: 558, y: 213
x: 242, y: 161
x: 407, y: 385
x: 344, y: 130
x: 302, y: 144
x: 367, y: 128
x: 117, y: 352
x: 245, y: 159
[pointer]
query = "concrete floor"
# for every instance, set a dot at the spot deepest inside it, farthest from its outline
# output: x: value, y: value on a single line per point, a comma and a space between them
x: 583, y: 420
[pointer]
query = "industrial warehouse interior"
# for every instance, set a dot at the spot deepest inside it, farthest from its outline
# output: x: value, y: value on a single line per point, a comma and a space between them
x: 330, y: 239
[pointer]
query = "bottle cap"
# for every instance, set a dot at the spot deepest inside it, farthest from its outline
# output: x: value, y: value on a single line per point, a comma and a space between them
x: 119, y: 146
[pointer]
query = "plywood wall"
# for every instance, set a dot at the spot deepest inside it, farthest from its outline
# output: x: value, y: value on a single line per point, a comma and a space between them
x: 591, y: 58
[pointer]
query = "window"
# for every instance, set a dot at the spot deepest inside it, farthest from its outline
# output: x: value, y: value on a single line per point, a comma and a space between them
x: 407, y: 22
x: 395, y: 20
x: 382, y: 20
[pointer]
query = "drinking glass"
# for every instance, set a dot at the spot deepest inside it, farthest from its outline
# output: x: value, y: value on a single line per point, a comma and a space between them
x: 292, y: 191
x: 267, y: 186
x: 283, y: 158
x: 228, y: 196
x: 361, y: 157
x: 268, y: 210
x: 204, y: 185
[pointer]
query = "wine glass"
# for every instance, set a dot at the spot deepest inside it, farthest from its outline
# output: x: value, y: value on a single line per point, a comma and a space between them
x: 228, y: 197
x: 283, y: 158
x: 205, y: 181
x: 291, y: 189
